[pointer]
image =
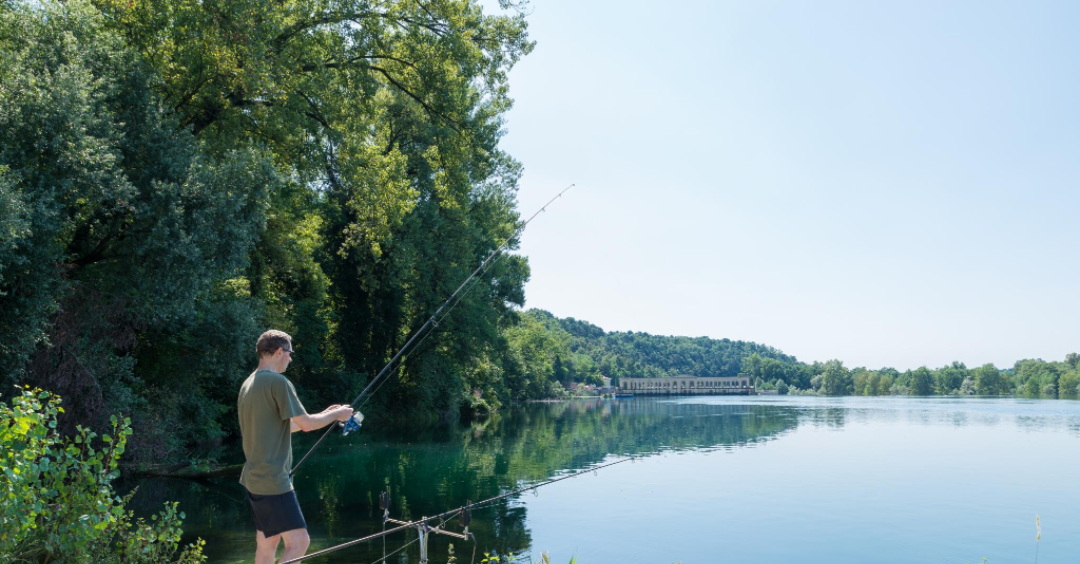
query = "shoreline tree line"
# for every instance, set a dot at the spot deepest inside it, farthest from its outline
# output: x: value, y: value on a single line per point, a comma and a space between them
x: 177, y: 177
x: 588, y: 350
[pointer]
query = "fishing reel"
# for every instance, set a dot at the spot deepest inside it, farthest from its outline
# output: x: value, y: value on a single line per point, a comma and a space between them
x: 353, y: 423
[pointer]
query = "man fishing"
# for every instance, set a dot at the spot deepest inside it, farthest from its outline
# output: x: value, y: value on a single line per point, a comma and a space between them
x: 269, y: 413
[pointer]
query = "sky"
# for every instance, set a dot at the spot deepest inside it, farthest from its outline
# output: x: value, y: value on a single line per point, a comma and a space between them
x: 884, y: 183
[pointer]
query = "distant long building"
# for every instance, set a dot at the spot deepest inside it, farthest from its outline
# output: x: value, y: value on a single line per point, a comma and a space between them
x: 687, y: 384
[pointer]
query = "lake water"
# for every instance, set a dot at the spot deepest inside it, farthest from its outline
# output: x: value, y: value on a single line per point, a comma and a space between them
x: 717, y: 479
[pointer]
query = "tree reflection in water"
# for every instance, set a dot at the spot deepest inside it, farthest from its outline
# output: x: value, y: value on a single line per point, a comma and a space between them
x: 432, y: 469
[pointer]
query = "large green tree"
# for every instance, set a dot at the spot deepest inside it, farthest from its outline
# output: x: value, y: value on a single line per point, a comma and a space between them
x: 386, y: 118
x: 118, y: 225
x: 948, y: 379
x: 921, y: 381
x: 836, y: 380
x: 1036, y: 376
x: 175, y: 177
x: 990, y: 381
x: 1069, y: 382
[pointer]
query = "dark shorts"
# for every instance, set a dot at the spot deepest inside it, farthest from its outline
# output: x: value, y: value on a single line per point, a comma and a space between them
x: 275, y: 514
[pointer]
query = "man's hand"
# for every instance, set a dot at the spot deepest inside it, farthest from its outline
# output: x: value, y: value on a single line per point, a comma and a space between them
x: 328, y: 416
x: 341, y: 412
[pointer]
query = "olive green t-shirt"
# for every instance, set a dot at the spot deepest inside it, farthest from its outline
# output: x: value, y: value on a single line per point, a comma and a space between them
x: 267, y: 401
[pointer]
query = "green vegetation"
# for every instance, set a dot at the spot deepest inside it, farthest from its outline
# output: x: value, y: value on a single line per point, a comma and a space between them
x: 177, y: 177
x: 431, y: 467
x: 577, y: 351
x: 58, y: 502
x: 511, y: 559
x: 555, y: 353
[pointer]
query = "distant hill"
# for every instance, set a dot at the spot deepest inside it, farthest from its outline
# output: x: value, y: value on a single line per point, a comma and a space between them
x: 577, y: 351
x: 617, y: 354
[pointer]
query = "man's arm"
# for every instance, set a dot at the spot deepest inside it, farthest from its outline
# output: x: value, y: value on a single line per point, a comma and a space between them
x: 308, y: 422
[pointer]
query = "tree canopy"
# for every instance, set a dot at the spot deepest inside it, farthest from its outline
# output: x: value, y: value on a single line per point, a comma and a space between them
x: 177, y: 177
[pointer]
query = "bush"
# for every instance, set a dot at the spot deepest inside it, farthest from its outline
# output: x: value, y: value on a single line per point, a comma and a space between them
x: 57, y: 503
x: 1069, y: 382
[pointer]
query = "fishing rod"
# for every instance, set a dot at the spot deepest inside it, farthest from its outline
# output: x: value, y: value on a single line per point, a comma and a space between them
x: 431, y: 321
x: 458, y: 511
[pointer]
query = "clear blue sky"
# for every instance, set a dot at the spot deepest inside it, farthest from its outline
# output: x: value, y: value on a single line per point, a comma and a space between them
x: 887, y: 183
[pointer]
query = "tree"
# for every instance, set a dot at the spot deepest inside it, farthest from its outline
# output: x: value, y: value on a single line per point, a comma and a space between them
x: 948, y: 379
x: 559, y: 371
x: 751, y: 367
x: 1073, y: 360
x: 989, y: 381
x: 879, y: 384
x: 175, y: 177
x: 892, y: 373
x: 836, y: 381
x: 861, y: 379
x: 921, y: 382
x: 1069, y: 382
x: 1035, y: 376
x: 123, y: 228
x: 967, y: 387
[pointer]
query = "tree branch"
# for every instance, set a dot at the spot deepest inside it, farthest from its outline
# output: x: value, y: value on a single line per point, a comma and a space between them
x: 283, y: 38
x: 279, y: 42
x: 453, y: 124
x: 344, y: 64
x: 183, y: 101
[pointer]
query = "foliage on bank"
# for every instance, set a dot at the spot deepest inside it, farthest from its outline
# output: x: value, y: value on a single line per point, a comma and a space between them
x: 584, y: 350
x: 177, y: 177
x: 58, y: 504
x: 1028, y: 378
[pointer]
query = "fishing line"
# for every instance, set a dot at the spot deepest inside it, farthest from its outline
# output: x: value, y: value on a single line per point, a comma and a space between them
x: 416, y: 348
x: 447, y: 515
x: 434, y: 319
x: 399, y: 549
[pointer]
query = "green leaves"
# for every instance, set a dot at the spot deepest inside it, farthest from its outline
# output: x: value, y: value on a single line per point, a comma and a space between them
x: 176, y: 177
x: 56, y: 499
x: 115, y: 224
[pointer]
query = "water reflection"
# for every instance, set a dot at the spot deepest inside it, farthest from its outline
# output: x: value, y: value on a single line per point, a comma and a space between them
x: 429, y: 470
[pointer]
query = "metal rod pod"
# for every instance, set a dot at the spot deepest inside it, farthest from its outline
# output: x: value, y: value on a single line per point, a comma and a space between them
x: 466, y: 515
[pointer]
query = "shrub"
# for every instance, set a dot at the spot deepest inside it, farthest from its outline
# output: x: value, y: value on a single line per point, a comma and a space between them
x: 57, y: 503
x: 1069, y: 382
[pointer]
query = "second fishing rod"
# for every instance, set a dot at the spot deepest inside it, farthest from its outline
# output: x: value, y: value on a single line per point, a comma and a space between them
x: 446, y: 516
x: 431, y: 322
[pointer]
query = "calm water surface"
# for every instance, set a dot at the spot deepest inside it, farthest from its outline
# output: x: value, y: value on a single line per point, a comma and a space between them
x: 720, y: 479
